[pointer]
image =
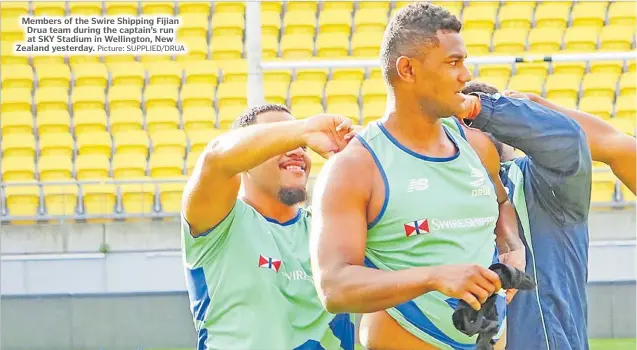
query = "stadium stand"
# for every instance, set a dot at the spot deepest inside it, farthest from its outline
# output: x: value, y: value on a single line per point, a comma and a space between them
x: 148, y: 117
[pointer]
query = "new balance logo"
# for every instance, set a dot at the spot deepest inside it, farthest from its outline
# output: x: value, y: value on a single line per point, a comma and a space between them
x: 418, y: 185
x: 478, y: 176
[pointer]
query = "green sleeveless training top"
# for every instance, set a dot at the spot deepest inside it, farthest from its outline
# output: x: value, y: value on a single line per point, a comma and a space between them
x: 436, y: 211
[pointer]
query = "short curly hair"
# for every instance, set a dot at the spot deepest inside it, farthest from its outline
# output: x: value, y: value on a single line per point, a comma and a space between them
x: 413, y: 27
x: 249, y: 117
x: 479, y: 86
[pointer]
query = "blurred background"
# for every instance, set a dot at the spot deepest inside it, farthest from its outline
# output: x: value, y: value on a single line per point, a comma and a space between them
x: 96, y: 149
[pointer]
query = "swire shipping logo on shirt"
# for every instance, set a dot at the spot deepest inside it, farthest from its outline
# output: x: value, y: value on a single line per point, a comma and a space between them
x: 417, y: 227
x: 269, y: 263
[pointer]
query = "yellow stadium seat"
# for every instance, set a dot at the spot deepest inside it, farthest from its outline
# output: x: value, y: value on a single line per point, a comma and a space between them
x: 90, y: 74
x: 87, y: 98
x: 631, y: 65
x: 351, y: 74
x: 126, y: 119
x: 227, y: 47
x: 317, y: 75
x: 165, y: 73
x: 18, y: 145
x: 169, y: 141
x: 228, y: 114
x: 297, y: 46
x: 306, y: 92
x: 197, y: 95
x: 338, y: 5
x: 99, y: 199
x: 201, y: 72
x: 16, y: 123
x: 170, y: 196
x: 269, y: 46
x: 75, y: 60
x: 224, y: 7
x: 545, y: 40
x: 16, y: 76
x: 515, y: 16
x: 231, y: 94
x: 53, y: 75
x: 562, y: 85
x: 616, y: 38
x: 8, y: 58
x: 299, y: 22
x: 270, y: 22
x: 479, y: 17
x: 332, y: 45
x: 302, y: 111
x: 196, y: 118
x: 131, y: 74
x: 552, y: 14
x: 138, y: 198
x: 161, y: 118
x: 603, y: 186
x: 15, y: 100
x: 373, y: 111
x: 335, y: 21
x: 610, y: 67
x: 498, y: 81
x: 596, y: 105
x: 161, y: 97
x: 302, y: 5
x: 581, y: 39
x: 199, y: 139
x: 235, y: 71
x: 11, y: 30
x: 129, y: 166
x: 533, y: 68
x: 572, y: 68
x: 89, y: 120
x: 565, y: 102
x: 193, y: 7
x: 131, y: 142
x: 191, y: 161
x: 478, y: 41
x: 510, y: 40
x: 366, y: 44
x: 499, y: 70
x: 627, y: 84
x: 85, y: 8
x: 47, y: 60
x: 53, y: 122
x: 92, y: 166
x: 150, y: 8
x: 23, y: 200
x: 589, y: 14
x: 60, y: 200
x: 166, y: 165
x: 317, y: 162
x: 276, y: 92
x: 348, y: 110
x: 228, y: 24
x: 94, y: 143
x: 193, y: 25
x: 337, y: 91
x: 54, y: 168
x: 10, y: 9
x: 373, y: 4
x: 197, y: 49
x: 625, y: 125
x: 124, y: 96
x: 372, y: 20
x: 527, y: 83
x: 622, y: 13
x: 599, y: 84
x: 17, y: 168
x: 625, y: 107
x: 111, y: 60
x: 56, y: 144
x: 121, y: 8
x: 627, y: 195
x: 51, y: 98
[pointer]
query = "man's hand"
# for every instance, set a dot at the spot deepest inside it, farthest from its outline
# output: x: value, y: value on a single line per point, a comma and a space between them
x: 517, y: 259
x: 328, y: 134
x: 470, y: 107
x: 471, y: 283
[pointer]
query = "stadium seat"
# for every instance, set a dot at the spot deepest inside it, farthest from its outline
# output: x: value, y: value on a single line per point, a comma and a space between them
x: 338, y: 5
x: 228, y: 114
x: 138, y: 198
x: 15, y: 100
x: 599, y: 84
x: 60, y: 200
x: 305, y: 93
x: 269, y: 46
x: 625, y: 107
x: 297, y: 46
x: 631, y: 65
x: 346, y: 109
x: 13, y: 123
x: 589, y: 14
x: 199, y: 139
x: 335, y: 21
x: 8, y: 57
x: 305, y: 110
x: 479, y: 17
x: 373, y: 20
x: 150, y: 8
x: 270, y: 23
x: 627, y: 84
x: 552, y: 14
x: 341, y: 92
x: 197, y: 95
x: 572, y: 68
x: 201, y: 72
x: 616, y: 38
x: 111, y: 60
x: 478, y: 41
x: 299, y: 22
x: 90, y: 74
x: 85, y: 8
x: 226, y: 47
x: 228, y: 24
x: 565, y: 102
x: 349, y: 74
x: 165, y: 73
x: 16, y: 76
x: 162, y: 118
x: 126, y: 119
x: 494, y: 70
x: 499, y: 82
x: 236, y: 71
x: 622, y: 13
x: 47, y: 60
x: 56, y: 144
x: 53, y: 75
x: 527, y: 83
x: 515, y: 16
x: 160, y: 96
x: 332, y: 45
x: 99, y: 199
x: 11, y: 30
x: 87, y: 98
x: 166, y: 165
x: 597, y: 105
x: 545, y: 40
x: 274, y: 6
x: 75, y: 60
x: 197, y: 49
x: 51, y: 99
x: 373, y: 4
x: 94, y: 143
x: 193, y: 7
x: 562, y: 85
x: 17, y: 168
x: 193, y: 25
x: 373, y: 111
x: 123, y: 97
x: 373, y: 90
x: 315, y: 75
x: 197, y: 118
x: 11, y: 9
x: 89, y: 120
x: 131, y: 142
x: 625, y: 125
x: 301, y: 6
x: 581, y: 39
x: 627, y: 195
x: 229, y: 7
x: 55, y: 168
x: 92, y: 166
x: 611, y: 67
x: 191, y: 161
x: 170, y: 196
x: 169, y: 141
x: 129, y: 166
x: 23, y: 200
x: 121, y: 8
x: 510, y: 40
x: 147, y: 60
x: 231, y: 94
x: 131, y: 74
x: 276, y: 92
x: 53, y: 122
x: 366, y: 44
x: 603, y: 186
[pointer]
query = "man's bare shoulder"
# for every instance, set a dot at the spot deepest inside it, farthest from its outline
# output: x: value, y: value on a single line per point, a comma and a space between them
x: 351, y: 160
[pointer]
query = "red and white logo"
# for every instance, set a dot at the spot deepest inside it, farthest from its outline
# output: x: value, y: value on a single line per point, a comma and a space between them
x: 269, y: 263
x: 417, y: 227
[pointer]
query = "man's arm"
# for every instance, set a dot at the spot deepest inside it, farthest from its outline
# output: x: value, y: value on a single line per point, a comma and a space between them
x: 337, y: 249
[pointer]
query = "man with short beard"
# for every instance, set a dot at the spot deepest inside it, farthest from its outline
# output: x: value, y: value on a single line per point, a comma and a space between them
x: 246, y: 254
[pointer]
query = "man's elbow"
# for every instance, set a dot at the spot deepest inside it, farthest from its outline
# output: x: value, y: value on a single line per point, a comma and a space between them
x: 332, y: 293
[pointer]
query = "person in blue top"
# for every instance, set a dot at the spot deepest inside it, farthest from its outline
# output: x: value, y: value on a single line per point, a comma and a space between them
x: 550, y: 188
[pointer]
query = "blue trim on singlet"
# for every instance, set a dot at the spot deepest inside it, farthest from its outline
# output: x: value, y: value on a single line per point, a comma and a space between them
x: 199, y: 301
x: 385, y: 181
x: 202, y: 336
x: 343, y: 329
x: 287, y: 223
x: 420, y: 156
x: 464, y: 136
x: 310, y: 345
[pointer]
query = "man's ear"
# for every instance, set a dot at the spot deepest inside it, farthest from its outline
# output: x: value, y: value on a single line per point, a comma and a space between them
x: 405, y: 69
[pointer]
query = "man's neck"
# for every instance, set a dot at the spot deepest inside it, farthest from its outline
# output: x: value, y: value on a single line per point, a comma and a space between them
x: 268, y: 206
